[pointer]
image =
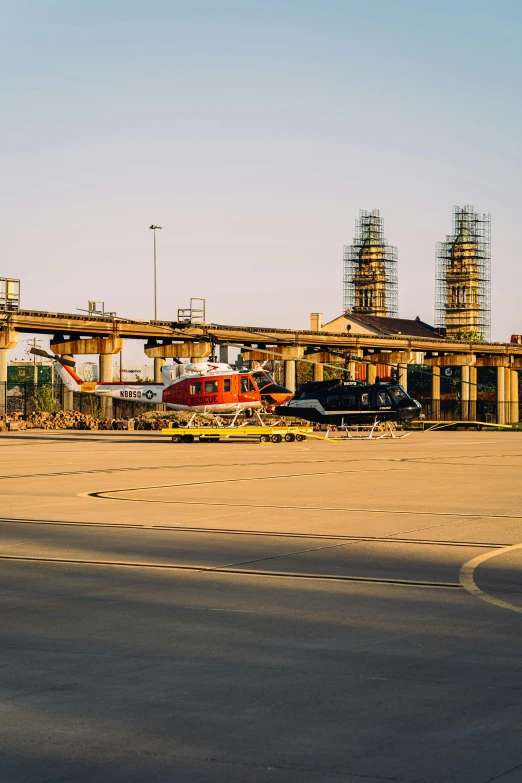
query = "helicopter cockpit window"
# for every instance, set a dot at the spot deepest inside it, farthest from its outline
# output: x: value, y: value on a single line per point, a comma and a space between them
x: 226, y: 384
x: 211, y: 386
x: 262, y: 379
x: 365, y: 400
x: 195, y: 388
x: 397, y: 393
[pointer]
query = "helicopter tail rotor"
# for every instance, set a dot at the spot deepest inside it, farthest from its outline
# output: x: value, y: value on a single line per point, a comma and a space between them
x: 64, y: 368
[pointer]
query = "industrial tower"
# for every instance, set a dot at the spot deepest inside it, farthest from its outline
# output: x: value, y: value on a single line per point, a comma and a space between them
x: 370, y: 269
x: 463, y: 277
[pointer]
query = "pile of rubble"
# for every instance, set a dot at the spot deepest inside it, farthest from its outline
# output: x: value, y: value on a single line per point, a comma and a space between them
x: 74, y: 420
x: 61, y: 420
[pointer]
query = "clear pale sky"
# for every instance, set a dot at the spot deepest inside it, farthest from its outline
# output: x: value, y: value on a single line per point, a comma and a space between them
x: 253, y: 131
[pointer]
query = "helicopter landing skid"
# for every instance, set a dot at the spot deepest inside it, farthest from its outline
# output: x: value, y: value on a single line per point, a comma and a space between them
x: 240, y: 411
x: 375, y: 431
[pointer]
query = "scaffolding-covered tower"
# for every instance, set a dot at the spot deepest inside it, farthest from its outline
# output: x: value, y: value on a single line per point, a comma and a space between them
x: 463, y: 277
x: 370, y: 269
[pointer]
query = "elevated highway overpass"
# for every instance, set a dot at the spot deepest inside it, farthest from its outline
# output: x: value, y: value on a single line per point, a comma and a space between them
x: 73, y: 334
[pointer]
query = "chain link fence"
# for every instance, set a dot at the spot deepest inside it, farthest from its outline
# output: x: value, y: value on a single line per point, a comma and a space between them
x: 28, y: 398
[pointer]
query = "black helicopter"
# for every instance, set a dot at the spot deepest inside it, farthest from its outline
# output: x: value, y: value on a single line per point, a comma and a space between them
x: 351, y: 402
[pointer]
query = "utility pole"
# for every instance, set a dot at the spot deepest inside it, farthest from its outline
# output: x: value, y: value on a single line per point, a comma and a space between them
x: 33, y: 344
x: 154, y: 227
x: 35, y: 369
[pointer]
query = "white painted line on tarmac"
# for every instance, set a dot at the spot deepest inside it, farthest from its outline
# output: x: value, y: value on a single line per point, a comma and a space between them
x: 467, y: 579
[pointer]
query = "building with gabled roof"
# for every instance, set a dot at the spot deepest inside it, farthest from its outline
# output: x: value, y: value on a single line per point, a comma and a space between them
x: 359, y: 323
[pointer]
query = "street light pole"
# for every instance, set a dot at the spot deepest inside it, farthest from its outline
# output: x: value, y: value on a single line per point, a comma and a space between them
x: 154, y: 227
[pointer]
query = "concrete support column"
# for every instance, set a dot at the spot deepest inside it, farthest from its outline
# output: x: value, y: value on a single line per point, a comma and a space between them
x: 515, y: 410
x: 435, y: 393
x: 351, y: 370
x: 464, y: 393
x: 158, y: 364
x: 403, y: 375
x: 507, y: 394
x: 371, y: 373
x: 3, y: 365
x: 3, y: 381
x: 501, y: 414
x: 290, y: 374
x: 8, y: 339
x: 106, y: 367
x: 106, y: 376
x: 318, y: 359
x: 473, y: 395
x: 68, y: 396
x: 318, y: 372
x: 158, y: 378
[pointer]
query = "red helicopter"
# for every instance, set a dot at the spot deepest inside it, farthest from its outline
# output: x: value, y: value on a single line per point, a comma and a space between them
x: 207, y: 388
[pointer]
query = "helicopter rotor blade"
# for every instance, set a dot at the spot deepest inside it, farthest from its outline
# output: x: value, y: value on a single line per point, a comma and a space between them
x: 65, y: 362
x: 55, y: 357
x: 271, y: 353
x: 40, y: 352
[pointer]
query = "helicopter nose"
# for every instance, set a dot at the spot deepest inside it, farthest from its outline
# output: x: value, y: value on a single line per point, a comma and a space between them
x: 276, y: 394
x: 410, y: 411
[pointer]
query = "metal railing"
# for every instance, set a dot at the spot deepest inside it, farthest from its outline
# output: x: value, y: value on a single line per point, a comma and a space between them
x: 451, y: 410
x: 9, y: 295
x: 21, y: 398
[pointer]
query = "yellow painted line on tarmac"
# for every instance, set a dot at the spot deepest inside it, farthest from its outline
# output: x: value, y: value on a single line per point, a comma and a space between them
x: 467, y: 579
x: 322, y: 437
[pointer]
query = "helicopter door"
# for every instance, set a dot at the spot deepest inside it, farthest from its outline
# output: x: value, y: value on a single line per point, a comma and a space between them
x: 349, y: 400
x: 195, y: 390
x: 247, y: 391
x: 333, y: 402
x: 229, y: 389
x: 383, y: 400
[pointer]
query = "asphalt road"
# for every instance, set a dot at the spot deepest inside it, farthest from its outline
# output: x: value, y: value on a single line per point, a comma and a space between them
x: 270, y: 613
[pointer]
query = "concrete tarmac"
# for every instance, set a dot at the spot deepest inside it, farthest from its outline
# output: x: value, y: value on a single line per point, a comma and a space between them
x: 273, y: 613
